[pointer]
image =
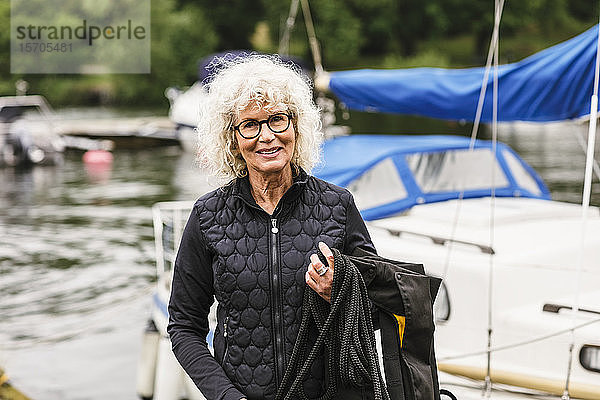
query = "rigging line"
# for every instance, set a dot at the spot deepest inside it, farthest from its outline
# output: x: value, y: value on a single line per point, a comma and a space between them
x: 284, y: 42
x: 488, y: 378
x: 520, y: 344
x: 488, y: 65
x: 580, y: 140
x: 312, y: 37
x: 486, y: 74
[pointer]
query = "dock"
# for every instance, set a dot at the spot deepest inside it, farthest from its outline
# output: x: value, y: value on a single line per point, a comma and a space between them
x: 134, y: 132
x: 125, y: 133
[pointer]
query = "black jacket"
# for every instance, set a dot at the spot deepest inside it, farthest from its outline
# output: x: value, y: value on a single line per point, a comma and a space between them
x: 399, y: 289
x: 254, y: 265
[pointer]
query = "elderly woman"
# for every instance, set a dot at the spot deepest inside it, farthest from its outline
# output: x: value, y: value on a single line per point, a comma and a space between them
x: 252, y: 243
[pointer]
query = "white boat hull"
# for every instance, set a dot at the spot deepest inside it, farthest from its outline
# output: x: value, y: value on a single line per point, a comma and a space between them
x: 534, y: 263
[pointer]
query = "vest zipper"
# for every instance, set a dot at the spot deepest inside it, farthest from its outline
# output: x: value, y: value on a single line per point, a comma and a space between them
x: 276, y: 306
x: 225, y: 333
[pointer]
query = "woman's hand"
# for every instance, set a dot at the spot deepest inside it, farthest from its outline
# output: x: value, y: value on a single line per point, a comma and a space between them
x: 321, y: 283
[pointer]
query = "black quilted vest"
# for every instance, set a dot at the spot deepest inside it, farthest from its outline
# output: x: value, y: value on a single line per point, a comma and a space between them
x: 259, y: 264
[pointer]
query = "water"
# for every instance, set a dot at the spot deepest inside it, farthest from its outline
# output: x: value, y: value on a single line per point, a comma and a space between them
x: 77, y: 261
x: 77, y: 268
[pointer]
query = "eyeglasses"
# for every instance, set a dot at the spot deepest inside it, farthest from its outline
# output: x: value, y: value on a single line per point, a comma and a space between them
x: 250, y: 128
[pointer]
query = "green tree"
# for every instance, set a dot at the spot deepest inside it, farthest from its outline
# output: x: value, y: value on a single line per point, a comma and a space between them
x: 6, y: 81
x: 380, y: 22
x: 338, y: 29
x: 179, y: 38
x: 585, y: 11
x: 233, y: 21
x: 390, y: 33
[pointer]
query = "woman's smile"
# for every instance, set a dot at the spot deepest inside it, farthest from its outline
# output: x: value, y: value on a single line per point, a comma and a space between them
x: 271, y: 152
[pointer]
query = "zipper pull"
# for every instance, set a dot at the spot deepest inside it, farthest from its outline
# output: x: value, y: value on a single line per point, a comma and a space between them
x: 225, y: 327
x: 274, y: 228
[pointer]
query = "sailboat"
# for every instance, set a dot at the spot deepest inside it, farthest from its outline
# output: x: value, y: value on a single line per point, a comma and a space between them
x: 521, y: 298
x: 520, y: 304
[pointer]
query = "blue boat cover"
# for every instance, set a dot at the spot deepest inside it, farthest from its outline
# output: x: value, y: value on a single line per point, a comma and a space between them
x: 554, y: 84
x: 347, y: 158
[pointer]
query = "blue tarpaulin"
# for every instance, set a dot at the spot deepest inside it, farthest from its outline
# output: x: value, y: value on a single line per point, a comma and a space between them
x: 554, y: 84
x: 347, y: 158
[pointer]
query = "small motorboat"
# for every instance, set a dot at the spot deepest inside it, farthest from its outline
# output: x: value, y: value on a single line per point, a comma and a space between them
x: 27, y: 132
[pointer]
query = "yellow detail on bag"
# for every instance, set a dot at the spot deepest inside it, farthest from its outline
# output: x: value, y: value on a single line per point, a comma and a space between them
x: 7, y: 391
x: 3, y: 377
x: 401, y: 324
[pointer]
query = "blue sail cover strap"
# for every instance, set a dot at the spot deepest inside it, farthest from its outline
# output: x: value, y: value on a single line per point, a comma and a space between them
x: 554, y: 84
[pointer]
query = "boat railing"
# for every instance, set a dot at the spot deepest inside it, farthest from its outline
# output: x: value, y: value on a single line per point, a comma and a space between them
x: 169, y: 220
x: 439, y: 240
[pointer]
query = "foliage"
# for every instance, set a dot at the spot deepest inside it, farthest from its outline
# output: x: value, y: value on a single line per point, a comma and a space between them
x: 179, y: 38
x: 6, y: 80
x: 352, y: 33
x: 233, y: 21
x: 423, y: 59
x: 387, y: 31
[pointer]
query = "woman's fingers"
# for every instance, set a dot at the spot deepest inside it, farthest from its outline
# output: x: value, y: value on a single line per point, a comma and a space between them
x: 327, y: 253
x: 320, y: 283
x: 322, y: 289
x: 314, y: 266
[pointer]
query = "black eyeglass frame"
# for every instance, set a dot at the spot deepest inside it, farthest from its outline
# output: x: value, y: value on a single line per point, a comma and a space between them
x: 260, y: 124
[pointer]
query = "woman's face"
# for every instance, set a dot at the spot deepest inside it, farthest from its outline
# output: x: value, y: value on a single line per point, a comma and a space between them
x: 269, y: 153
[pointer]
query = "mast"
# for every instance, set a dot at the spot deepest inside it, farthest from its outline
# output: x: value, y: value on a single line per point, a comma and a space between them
x: 284, y: 43
x: 585, y: 206
x: 312, y: 37
x: 499, y: 5
x: 321, y: 78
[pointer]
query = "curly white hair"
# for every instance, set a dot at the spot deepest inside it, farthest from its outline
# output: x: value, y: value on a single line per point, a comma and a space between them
x: 269, y: 83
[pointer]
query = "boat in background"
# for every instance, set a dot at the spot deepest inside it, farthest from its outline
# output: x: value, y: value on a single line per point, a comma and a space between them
x: 31, y: 133
x: 184, y: 113
x: 428, y: 199
x: 28, y: 135
x: 408, y: 189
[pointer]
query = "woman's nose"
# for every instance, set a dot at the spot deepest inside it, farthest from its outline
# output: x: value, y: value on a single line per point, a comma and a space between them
x: 266, y: 135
